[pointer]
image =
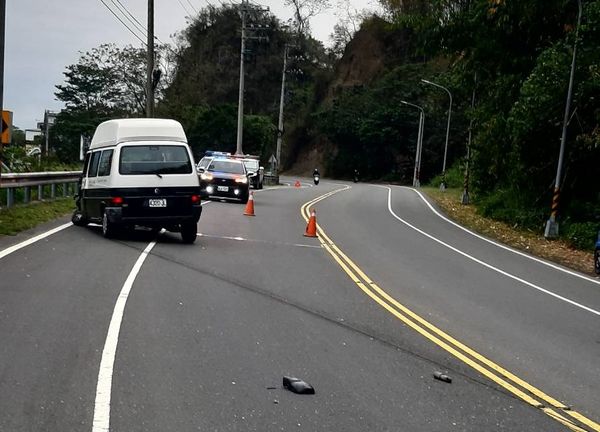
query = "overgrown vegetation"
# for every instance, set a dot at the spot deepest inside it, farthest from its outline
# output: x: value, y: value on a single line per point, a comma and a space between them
x: 516, y: 57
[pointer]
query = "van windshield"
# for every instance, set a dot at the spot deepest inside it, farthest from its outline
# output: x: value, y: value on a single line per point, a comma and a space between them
x: 154, y: 159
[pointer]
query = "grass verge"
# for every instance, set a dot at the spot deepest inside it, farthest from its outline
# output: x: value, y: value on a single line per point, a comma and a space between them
x: 528, y: 241
x: 22, y: 217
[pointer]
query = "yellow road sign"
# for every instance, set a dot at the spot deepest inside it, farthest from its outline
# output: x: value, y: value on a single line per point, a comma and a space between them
x: 6, y: 127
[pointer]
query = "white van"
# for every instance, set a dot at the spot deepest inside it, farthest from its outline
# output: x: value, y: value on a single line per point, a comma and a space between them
x: 140, y: 172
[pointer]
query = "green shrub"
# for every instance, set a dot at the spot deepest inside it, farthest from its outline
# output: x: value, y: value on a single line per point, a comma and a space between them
x: 455, y: 176
x: 582, y: 235
x: 513, y: 208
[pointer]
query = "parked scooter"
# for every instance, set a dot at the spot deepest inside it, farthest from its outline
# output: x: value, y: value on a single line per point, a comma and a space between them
x: 316, y: 179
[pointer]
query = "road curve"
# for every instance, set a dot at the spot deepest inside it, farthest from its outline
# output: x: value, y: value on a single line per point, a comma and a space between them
x: 209, y: 329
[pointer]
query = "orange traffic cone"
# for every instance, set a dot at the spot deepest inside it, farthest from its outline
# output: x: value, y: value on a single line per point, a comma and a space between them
x: 250, y: 206
x: 297, y: 184
x: 311, y: 228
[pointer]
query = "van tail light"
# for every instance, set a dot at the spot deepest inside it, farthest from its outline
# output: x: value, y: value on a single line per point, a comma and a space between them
x: 195, y: 199
x: 116, y: 200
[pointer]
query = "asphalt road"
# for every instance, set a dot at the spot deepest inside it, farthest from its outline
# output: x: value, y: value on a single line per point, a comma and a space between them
x: 207, y: 331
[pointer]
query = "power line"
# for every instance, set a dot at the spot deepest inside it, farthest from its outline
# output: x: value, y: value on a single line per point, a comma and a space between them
x: 139, y: 25
x: 190, y: 3
x: 122, y: 22
x: 185, y: 9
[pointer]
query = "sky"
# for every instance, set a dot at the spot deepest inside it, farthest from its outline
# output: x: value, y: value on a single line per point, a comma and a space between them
x: 43, y: 37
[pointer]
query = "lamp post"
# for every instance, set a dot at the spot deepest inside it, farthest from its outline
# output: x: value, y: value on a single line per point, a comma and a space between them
x: 416, y: 175
x: 443, y: 184
x: 552, y: 224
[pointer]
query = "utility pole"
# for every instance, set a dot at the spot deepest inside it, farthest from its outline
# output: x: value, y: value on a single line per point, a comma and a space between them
x: 2, y: 31
x: 465, y: 194
x: 417, y: 172
x: 150, y: 62
x: 245, y: 10
x: 281, y: 103
x: 551, y: 230
x: 240, y: 119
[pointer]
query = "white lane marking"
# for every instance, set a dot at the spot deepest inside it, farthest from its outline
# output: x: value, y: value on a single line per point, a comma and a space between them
x: 42, y: 236
x: 500, y: 245
x: 483, y: 263
x: 101, y: 421
x: 32, y: 240
x: 258, y: 241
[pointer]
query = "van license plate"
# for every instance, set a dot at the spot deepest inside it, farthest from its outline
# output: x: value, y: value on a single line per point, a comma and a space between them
x: 223, y: 188
x: 157, y: 202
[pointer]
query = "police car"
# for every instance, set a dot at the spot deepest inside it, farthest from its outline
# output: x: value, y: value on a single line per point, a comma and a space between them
x: 223, y: 177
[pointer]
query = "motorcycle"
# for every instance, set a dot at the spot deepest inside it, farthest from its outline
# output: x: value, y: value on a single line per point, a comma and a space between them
x: 316, y: 179
x: 355, y: 177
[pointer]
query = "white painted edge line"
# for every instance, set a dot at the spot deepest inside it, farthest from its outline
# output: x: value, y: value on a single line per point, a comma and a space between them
x: 483, y: 263
x: 32, y: 240
x: 101, y: 422
x: 502, y: 246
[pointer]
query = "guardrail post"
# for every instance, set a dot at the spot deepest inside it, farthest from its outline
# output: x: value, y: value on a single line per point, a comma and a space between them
x: 10, y: 197
x: 27, y: 195
x: 65, y: 187
x: 40, y: 196
x: 53, y: 191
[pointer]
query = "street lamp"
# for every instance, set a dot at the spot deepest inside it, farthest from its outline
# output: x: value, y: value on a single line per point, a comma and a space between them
x: 416, y: 182
x: 552, y: 225
x: 443, y: 184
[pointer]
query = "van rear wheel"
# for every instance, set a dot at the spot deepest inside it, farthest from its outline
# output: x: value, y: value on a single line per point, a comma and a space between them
x: 188, y: 232
x: 108, y: 228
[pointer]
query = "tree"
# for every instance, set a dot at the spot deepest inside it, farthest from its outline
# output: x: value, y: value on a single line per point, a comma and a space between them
x: 112, y: 78
x: 304, y: 10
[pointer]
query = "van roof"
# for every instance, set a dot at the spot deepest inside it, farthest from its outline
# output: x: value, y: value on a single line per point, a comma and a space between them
x: 113, y: 132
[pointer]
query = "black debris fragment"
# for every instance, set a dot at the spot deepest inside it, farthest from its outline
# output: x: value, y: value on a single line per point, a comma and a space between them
x: 442, y: 377
x: 298, y: 386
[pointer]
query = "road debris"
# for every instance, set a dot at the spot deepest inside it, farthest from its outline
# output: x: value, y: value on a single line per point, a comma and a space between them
x: 298, y: 386
x: 442, y: 377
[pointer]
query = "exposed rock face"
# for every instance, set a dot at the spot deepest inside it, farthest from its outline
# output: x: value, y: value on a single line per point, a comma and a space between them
x: 363, y: 59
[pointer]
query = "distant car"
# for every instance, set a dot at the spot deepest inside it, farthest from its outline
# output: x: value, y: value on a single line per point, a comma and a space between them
x: 204, y: 162
x: 255, y: 171
x: 225, y: 178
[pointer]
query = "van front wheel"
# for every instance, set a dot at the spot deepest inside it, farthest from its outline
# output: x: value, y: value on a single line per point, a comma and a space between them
x: 188, y: 232
x: 78, y: 219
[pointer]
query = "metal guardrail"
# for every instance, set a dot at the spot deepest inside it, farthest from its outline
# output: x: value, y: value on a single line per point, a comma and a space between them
x: 66, y: 181
x: 271, y: 178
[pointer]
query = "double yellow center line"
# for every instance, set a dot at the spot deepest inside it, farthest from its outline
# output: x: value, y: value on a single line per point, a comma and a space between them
x: 515, y: 385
